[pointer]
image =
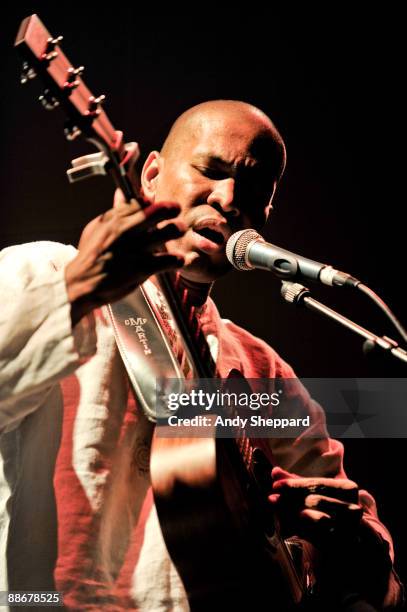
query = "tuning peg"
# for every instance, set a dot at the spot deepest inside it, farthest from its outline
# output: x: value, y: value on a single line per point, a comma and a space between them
x: 27, y: 73
x: 72, y: 77
x: 48, y: 101
x: 50, y: 53
x: 71, y: 131
x: 94, y: 104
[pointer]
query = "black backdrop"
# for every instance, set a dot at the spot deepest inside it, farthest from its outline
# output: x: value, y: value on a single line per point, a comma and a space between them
x: 331, y: 78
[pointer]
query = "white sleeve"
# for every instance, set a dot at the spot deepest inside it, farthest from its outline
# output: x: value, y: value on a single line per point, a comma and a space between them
x: 38, y: 346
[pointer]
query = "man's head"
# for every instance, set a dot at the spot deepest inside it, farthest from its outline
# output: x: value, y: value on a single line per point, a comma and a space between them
x: 221, y: 163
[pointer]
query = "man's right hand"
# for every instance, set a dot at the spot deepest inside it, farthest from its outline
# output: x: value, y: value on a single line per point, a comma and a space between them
x: 118, y: 251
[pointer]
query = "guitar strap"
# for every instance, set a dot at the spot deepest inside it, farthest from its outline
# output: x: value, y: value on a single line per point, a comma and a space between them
x: 148, y: 344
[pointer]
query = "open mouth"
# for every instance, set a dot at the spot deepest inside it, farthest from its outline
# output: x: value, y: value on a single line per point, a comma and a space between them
x: 210, y: 234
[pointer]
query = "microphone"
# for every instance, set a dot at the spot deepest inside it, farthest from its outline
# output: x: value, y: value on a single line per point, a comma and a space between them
x: 247, y: 250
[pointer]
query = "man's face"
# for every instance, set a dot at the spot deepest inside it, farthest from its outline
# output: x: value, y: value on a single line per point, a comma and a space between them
x: 221, y: 176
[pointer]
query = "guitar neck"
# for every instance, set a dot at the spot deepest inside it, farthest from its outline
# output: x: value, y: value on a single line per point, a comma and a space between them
x: 188, y: 324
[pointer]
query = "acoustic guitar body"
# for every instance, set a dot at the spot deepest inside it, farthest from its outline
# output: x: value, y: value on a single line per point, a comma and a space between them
x: 218, y: 525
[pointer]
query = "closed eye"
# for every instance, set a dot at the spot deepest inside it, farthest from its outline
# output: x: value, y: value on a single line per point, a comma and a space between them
x: 215, y: 174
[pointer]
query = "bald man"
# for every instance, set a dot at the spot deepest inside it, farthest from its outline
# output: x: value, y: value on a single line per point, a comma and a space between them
x: 77, y: 512
x: 218, y: 168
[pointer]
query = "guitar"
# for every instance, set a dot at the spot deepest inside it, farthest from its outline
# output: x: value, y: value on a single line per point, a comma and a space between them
x: 213, y: 508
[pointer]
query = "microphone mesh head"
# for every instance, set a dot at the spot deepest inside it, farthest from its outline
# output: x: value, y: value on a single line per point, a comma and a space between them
x: 236, y: 248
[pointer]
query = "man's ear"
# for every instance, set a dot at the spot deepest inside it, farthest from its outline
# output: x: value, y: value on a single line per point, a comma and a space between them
x: 149, y: 175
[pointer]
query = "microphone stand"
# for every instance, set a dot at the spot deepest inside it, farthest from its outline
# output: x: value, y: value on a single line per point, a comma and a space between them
x: 297, y: 294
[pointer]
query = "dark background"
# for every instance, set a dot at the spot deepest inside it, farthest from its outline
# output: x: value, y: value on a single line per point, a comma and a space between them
x: 331, y: 79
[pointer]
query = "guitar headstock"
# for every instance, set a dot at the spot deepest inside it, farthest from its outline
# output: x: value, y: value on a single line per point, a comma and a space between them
x: 64, y: 87
x: 63, y: 82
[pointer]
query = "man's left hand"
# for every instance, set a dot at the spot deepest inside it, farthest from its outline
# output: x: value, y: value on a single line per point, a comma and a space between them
x: 314, y: 507
x: 326, y: 513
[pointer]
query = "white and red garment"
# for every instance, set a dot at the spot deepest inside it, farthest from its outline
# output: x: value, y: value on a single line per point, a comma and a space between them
x: 76, y: 507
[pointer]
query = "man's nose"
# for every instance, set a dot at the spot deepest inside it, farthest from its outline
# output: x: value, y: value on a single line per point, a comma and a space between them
x: 223, y: 195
